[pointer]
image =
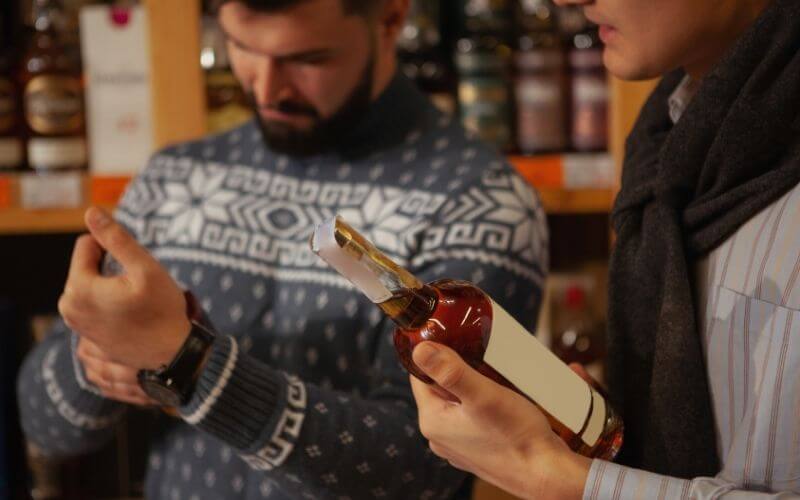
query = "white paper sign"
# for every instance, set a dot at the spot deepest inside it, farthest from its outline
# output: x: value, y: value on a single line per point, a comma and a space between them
x: 115, y: 52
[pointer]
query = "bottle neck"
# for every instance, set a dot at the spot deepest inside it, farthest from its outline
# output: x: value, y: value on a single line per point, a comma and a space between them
x: 410, y: 308
x: 402, y: 296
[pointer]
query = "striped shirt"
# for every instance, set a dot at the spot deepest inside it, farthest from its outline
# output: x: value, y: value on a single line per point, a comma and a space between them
x: 749, y: 317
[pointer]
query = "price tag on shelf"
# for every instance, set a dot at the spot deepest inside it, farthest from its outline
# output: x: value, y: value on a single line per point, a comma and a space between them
x: 5, y: 191
x: 55, y: 190
x: 107, y: 190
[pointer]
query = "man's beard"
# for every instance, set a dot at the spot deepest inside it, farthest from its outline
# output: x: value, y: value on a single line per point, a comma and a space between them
x: 325, y: 134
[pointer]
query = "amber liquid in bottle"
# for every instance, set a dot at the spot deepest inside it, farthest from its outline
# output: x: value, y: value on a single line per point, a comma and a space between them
x: 453, y: 313
x: 52, y: 84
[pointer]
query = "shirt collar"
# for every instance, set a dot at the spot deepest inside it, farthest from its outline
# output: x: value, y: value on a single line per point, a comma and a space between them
x: 681, y: 97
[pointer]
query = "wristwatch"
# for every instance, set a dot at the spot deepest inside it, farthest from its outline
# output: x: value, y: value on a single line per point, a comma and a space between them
x: 172, y: 385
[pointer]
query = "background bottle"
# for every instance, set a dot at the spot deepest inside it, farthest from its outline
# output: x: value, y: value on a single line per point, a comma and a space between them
x: 11, y: 151
x: 421, y: 58
x: 52, y: 87
x: 483, y: 63
x: 540, y: 84
x: 589, y: 92
x: 461, y: 316
x: 225, y: 100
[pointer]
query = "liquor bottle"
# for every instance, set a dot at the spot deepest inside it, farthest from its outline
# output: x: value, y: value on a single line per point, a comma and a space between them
x: 420, y: 56
x: 589, y: 92
x: 461, y: 316
x: 52, y: 85
x: 577, y: 335
x: 541, y: 84
x: 11, y: 154
x: 226, y: 101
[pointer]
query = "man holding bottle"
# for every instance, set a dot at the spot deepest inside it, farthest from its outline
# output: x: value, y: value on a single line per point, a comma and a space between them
x: 284, y: 378
x: 703, y: 327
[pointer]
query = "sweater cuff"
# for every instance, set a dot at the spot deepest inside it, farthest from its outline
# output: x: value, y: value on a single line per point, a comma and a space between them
x: 244, y: 403
x: 76, y: 400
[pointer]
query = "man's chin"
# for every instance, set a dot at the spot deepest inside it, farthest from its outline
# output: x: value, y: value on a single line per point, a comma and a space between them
x: 294, y: 142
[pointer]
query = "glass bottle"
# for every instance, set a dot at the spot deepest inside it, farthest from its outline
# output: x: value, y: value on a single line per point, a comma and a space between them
x: 540, y: 86
x: 11, y: 151
x: 461, y: 316
x: 577, y: 335
x: 52, y: 85
x: 420, y: 55
x: 226, y: 102
x: 483, y: 64
x: 589, y: 92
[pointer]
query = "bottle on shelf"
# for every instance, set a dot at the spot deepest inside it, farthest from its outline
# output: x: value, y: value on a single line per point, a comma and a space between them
x: 420, y: 56
x: 589, y: 131
x: 461, y: 316
x: 483, y: 63
x: 577, y: 335
x: 226, y: 101
x: 11, y: 150
x: 541, y: 83
x: 53, y: 101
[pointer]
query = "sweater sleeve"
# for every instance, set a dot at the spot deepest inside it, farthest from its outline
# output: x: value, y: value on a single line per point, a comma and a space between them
x: 317, y: 442
x: 61, y: 412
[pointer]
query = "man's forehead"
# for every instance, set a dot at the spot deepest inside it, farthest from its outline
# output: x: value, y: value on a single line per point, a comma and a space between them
x: 301, y: 28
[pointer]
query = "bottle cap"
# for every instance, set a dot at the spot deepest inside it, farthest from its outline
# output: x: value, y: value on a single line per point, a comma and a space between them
x: 349, y: 264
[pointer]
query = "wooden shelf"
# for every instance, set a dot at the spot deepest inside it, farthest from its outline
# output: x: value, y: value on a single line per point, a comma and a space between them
x: 577, y: 201
x: 545, y: 172
x: 21, y: 221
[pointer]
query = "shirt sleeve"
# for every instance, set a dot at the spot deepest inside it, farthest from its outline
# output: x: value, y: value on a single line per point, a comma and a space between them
x: 609, y: 481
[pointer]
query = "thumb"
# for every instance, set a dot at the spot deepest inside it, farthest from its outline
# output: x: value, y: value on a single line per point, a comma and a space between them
x: 115, y: 239
x: 449, y: 371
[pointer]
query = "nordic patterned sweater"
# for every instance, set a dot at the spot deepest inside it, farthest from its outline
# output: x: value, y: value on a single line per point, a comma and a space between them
x: 303, y: 395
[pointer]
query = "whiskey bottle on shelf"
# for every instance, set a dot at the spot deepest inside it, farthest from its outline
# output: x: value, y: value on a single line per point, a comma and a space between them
x: 460, y: 315
x: 52, y: 86
x: 11, y: 154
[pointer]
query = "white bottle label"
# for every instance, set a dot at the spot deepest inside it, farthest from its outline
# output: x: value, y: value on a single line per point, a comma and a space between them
x: 519, y: 357
x: 45, y: 152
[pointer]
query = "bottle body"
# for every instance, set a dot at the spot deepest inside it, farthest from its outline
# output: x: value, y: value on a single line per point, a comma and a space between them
x: 461, y: 316
x: 462, y: 320
x: 11, y: 152
x: 52, y: 86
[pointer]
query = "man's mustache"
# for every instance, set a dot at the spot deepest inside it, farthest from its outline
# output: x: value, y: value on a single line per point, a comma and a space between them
x: 291, y: 108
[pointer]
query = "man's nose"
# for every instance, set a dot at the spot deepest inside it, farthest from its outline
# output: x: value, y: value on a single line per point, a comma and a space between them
x: 270, y: 82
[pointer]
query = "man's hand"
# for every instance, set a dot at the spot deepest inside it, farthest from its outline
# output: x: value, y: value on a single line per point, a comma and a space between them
x: 137, y: 319
x: 492, y: 432
x: 115, y: 381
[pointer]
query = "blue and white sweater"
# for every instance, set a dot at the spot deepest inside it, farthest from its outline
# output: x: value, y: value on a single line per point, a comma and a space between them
x: 303, y: 395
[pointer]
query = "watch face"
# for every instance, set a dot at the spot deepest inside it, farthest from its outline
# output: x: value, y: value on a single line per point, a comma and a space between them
x: 161, y: 393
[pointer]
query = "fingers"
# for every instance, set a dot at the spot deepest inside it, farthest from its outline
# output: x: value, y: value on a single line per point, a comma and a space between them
x: 115, y: 381
x: 115, y: 239
x: 87, y: 348
x: 86, y: 256
x: 449, y: 371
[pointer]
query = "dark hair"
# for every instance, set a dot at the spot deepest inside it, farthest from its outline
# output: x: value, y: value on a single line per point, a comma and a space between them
x: 360, y: 7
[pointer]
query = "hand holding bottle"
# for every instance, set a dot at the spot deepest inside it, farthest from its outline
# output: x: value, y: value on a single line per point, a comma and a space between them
x: 494, y: 432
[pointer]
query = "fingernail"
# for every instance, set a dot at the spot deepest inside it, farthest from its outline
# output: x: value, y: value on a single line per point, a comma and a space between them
x: 98, y: 218
x: 425, y: 355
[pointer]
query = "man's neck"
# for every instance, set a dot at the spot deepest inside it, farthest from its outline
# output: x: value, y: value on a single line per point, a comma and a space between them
x: 738, y: 22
